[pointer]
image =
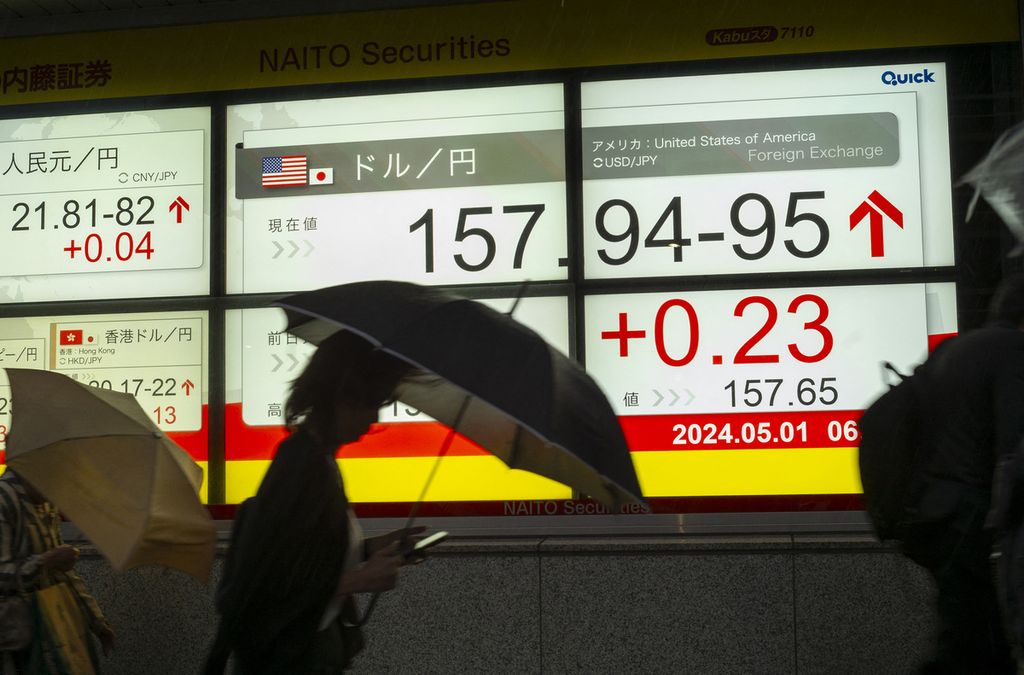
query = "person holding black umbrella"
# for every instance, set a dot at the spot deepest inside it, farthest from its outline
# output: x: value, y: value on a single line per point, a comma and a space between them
x: 534, y: 408
x: 297, y: 553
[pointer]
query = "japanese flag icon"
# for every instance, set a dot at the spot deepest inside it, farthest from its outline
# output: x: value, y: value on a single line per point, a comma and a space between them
x: 321, y: 176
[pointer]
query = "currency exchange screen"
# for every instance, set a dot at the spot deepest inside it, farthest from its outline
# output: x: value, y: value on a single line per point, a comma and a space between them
x: 159, y: 358
x: 755, y: 389
x: 698, y: 267
x: 108, y: 205
x: 452, y: 187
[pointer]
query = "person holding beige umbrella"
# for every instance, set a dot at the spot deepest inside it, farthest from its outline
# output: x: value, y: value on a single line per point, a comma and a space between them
x: 33, y: 556
x: 95, y: 455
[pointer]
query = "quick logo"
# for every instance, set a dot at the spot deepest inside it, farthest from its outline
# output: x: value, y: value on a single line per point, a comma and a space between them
x: 895, y: 79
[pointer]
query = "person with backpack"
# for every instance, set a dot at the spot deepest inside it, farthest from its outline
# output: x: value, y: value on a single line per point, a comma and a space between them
x: 971, y: 417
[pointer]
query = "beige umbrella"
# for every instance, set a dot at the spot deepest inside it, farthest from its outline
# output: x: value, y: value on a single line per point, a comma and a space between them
x: 97, y: 456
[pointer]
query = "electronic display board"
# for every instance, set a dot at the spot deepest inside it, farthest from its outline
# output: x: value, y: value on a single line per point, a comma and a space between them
x: 756, y: 391
x: 445, y: 187
x: 392, y: 463
x: 160, y: 358
x: 743, y: 392
x: 738, y: 390
x: 110, y: 205
x: 783, y: 171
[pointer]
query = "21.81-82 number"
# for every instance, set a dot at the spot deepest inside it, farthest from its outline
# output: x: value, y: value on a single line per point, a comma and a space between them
x: 75, y: 213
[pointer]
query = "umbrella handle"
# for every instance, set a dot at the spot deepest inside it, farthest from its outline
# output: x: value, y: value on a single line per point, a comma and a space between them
x: 416, y: 506
x: 433, y: 472
x: 437, y: 463
x: 412, y: 516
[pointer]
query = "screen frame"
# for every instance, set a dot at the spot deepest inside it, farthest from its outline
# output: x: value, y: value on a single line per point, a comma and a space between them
x: 980, y: 241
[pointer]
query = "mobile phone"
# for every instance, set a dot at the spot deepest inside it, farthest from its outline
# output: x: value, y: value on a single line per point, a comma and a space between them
x: 426, y: 542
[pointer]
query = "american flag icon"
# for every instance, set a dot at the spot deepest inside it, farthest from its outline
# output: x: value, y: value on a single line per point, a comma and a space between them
x: 284, y: 171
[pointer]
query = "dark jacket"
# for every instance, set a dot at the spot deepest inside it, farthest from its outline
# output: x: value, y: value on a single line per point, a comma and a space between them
x: 974, y: 415
x: 285, y: 560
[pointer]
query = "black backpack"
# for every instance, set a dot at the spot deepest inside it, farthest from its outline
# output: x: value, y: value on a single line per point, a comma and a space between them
x: 891, y: 452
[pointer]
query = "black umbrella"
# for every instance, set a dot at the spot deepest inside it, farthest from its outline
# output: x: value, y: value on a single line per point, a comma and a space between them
x: 485, y: 375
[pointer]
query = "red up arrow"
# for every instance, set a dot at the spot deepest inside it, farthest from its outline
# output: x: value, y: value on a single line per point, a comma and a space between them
x: 875, y: 206
x: 187, y: 385
x: 178, y: 204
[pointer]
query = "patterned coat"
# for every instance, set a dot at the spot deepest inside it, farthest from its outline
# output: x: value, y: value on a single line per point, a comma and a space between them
x: 27, y: 530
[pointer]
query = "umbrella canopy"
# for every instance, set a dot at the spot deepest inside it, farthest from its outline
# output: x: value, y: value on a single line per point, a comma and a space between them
x: 493, y: 379
x: 97, y: 457
x: 999, y: 178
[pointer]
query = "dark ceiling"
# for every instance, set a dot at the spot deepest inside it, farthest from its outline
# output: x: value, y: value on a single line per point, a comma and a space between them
x: 45, y: 17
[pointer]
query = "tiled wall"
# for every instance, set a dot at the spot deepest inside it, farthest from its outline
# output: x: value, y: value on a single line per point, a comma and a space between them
x: 777, y: 604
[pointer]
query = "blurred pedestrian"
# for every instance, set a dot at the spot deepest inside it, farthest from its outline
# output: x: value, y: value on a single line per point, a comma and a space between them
x: 297, y: 554
x: 973, y: 416
x: 33, y: 556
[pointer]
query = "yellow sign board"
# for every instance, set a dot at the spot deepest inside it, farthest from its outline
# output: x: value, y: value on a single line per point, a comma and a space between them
x: 497, y: 37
